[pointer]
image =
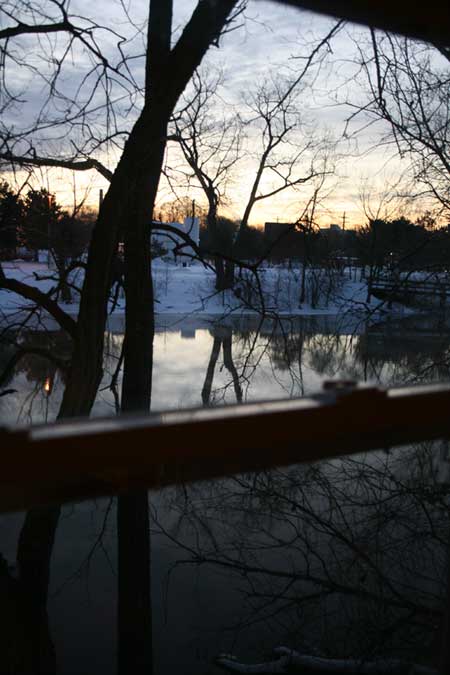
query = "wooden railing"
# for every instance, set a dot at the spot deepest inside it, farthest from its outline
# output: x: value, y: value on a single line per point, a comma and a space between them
x: 403, y: 289
x: 90, y: 458
x: 412, y: 286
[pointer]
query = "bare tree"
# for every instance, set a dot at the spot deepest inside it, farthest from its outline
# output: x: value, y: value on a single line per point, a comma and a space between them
x: 280, y: 143
x: 285, y: 139
x: 211, y: 147
x: 407, y: 86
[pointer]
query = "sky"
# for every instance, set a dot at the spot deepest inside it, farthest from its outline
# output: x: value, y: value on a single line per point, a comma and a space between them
x: 268, y: 43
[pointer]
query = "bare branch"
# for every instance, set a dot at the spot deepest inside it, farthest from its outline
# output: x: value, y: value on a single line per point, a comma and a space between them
x: 41, y: 299
x: 72, y: 164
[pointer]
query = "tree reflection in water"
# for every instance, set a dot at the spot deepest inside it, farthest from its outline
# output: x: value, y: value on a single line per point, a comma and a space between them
x: 28, y: 646
x: 346, y: 558
x: 239, y: 361
x: 222, y: 337
x: 26, y: 640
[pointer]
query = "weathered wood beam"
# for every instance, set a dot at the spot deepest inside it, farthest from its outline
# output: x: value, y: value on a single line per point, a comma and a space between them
x: 89, y: 458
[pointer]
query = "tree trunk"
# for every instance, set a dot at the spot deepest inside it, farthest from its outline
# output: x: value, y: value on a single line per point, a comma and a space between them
x: 219, y: 267
x: 33, y: 558
x: 207, y: 386
x: 303, y: 282
x: 229, y: 274
x: 66, y: 293
x: 306, y: 262
x: 213, y: 235
x: 134, y: 592
x: 87, y: 359
x: 229, y: 365
x: 139, y: 319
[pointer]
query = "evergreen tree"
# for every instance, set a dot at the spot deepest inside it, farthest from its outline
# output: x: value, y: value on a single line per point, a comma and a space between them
x: 40, y: 224
x: 11, y: 217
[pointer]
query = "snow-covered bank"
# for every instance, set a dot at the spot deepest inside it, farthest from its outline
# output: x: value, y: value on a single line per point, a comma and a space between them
x: 189, y: 291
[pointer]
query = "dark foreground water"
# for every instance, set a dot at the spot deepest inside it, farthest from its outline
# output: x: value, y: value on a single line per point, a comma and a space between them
x: 346, y: 558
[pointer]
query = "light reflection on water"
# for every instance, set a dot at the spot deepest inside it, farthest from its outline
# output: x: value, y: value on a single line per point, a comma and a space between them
x: 202, y: 362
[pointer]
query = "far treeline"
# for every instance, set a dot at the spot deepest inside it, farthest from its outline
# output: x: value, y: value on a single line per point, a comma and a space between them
x: 35, y: 221
x: 398, y: 242
x: 395, y: 243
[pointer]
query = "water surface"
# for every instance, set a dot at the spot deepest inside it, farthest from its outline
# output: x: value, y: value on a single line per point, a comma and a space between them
x: 342, y: 558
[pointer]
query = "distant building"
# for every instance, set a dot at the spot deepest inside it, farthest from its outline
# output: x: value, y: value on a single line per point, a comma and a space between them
x: 174, y: 246
x: 333, y: 228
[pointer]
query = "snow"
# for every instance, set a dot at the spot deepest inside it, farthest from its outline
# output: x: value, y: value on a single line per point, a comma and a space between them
x: 189, y: 291
x: 290, y: 661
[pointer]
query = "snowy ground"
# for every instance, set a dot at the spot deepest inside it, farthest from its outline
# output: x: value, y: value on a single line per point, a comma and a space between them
x: 190, y: 291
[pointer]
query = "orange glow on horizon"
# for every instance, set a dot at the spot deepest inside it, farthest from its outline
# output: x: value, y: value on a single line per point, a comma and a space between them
x: 70, y: 190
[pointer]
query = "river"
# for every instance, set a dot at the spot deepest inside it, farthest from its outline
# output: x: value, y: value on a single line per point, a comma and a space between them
x: 250, y: 360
